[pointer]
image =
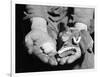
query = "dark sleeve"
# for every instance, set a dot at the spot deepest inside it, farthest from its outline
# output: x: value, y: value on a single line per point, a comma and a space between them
x: 35, y: 11
x: 83, y: 15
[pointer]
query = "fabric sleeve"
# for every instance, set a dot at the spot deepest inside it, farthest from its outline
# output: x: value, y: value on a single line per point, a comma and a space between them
x: 84, y: 15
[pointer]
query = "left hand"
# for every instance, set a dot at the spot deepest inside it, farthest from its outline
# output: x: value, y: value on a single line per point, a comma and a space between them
x: 69, y: 55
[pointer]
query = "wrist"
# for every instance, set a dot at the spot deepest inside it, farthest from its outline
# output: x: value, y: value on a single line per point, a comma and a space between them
x: 39, y: 23
x: 81, y: 26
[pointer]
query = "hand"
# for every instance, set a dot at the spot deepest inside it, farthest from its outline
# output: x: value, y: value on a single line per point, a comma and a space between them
x: 69, y: 55
x: 45, y: 52
x: 49, y: 52
x: 47, y: 59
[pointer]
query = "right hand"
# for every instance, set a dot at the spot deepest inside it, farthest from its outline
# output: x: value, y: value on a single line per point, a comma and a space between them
x: 45, y: 52
x: 68, y: 55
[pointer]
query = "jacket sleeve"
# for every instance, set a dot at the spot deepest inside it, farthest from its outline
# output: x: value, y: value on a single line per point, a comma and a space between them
x: 38, y: 36
x: 34, y: 11
x: 84, y: 15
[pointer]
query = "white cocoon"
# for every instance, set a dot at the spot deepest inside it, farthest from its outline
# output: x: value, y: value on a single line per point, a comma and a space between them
x: 81, y: 26
x: 48, y: 47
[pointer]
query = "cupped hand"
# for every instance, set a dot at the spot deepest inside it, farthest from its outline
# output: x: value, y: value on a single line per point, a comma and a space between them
x: 69, y: 55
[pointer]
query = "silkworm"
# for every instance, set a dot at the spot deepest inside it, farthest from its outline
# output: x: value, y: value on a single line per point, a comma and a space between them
x: 77, y: 41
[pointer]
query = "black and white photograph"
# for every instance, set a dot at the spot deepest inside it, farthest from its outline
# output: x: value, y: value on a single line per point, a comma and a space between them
x: 53, y: 38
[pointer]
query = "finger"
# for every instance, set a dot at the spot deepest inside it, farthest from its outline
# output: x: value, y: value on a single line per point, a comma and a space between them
x: 52, y: 53
x: 52, y: 61
x: 64, y: 49
x: 64, y: 60
x: 72, y: 59
x: 67, y: 53
x: 43, y: 57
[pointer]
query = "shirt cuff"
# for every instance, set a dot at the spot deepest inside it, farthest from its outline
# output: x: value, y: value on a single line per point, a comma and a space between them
x: 81, y: 26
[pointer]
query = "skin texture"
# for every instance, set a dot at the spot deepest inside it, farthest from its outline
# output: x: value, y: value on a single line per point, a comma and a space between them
x: 39, y: 36
x: 67, y: 54
x: 45, y: 47
x: 83, y: 43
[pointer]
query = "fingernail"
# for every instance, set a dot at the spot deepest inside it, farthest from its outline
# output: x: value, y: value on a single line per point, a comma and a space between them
x: 53, y: 61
